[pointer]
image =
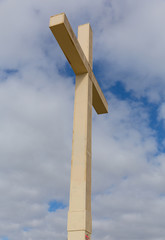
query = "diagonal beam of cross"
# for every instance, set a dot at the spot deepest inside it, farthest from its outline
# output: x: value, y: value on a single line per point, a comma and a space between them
x: 68, y: 42
x: 87, y: 93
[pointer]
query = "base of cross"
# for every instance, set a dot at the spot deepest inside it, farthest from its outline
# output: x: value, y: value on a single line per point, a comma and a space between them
x: 79, y: 225
x: 79, y: 235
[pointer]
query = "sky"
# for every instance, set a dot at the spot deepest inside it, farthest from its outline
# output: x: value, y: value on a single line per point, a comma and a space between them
x: 36, y: 119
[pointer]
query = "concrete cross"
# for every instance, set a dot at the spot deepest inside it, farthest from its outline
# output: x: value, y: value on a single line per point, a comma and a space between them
x: 87, y: 93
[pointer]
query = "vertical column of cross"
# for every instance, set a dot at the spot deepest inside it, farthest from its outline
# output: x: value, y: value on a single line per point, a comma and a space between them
x: 79, y: 215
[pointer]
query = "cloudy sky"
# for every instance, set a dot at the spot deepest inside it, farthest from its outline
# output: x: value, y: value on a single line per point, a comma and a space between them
x: 36, y: 119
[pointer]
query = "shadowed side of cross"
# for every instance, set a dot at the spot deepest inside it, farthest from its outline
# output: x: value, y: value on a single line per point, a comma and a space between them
x: 87, y: 93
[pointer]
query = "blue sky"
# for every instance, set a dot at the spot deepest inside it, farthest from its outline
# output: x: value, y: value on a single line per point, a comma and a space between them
x: 4, y: 238
x: 37, y: 98
x: 54, y: 206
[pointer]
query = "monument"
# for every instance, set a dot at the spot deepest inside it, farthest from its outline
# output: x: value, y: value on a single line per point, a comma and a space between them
x: 87, y: 93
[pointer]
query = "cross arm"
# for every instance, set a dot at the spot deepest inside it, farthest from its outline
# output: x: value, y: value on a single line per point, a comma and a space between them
x: 69, y: 44
x: 99, y: 101
x: 62, y: 31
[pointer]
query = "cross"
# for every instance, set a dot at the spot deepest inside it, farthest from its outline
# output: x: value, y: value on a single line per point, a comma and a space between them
x: 87, y: 93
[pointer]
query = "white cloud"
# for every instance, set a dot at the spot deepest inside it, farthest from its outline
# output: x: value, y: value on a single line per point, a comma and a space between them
x: 133, y: 39
x: 34, y: 148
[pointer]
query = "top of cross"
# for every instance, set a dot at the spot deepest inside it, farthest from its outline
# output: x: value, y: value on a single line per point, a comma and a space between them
x: 68, y: 42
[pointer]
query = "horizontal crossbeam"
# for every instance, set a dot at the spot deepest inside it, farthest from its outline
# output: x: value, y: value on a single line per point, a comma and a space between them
x: 70, y: 46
